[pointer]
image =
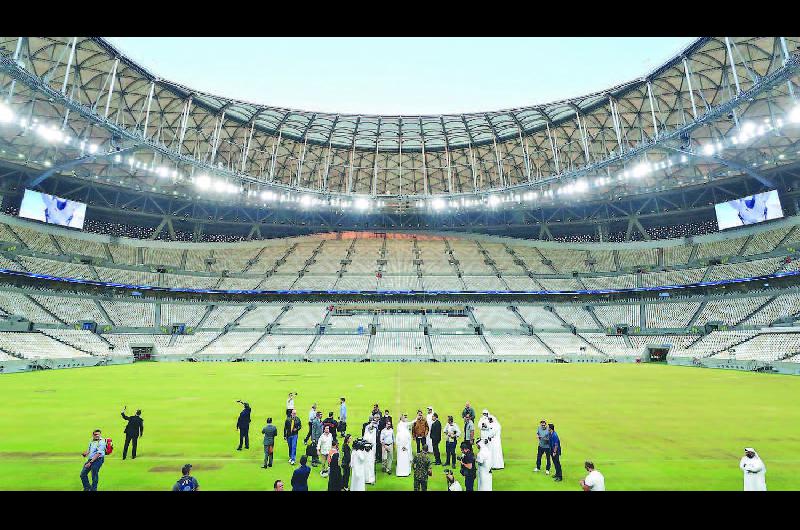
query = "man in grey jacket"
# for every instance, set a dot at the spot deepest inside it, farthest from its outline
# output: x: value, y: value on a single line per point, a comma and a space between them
x: 316, y: 432
x: 270, y: 432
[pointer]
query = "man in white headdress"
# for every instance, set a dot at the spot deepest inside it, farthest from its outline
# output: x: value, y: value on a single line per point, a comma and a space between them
x: 495, y: 444
x: 403, y: 444
x: 358, y: 465
x: 484, y: 462
x: 754, y: 471
x: 483, y: 432
x: 371, y: 436
x: 429, y: 420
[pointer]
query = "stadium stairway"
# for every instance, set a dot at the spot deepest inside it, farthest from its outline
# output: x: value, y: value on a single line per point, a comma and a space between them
x: 102, y: 311
x: 43, y: 308
x: 590, y: 310
x: 756, y: 310
x: 696, y: 313
x: 543, y: 343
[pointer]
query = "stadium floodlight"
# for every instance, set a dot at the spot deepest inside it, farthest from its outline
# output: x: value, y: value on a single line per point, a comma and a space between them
x: 162, y: 171
x: 93, y: 148
x: 438, y: 204
x: 51, y: 134
x: 306, y: 201
x: 494, y: 200
x: 202, y: 182
x: 708, y: 149
x: 794, y: 115
x: 361, y: 203
x: 6, y: 114
x: 267, y: 195
x: 641, y: 170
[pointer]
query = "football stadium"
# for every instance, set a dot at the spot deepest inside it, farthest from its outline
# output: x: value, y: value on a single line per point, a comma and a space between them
x: 611, y: 279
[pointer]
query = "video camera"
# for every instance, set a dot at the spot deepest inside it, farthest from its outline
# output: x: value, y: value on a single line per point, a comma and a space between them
x: 362, y: 445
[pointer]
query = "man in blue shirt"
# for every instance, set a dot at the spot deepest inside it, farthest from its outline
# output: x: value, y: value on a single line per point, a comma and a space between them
x: 187, y: 482
x: 300, y: 475
x: 555, y: 448
x: 342, y: 417
x: 95, y: 455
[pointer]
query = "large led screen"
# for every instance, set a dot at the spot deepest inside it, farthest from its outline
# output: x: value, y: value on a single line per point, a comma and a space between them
x: 52, y: 209
x: 749, y: 210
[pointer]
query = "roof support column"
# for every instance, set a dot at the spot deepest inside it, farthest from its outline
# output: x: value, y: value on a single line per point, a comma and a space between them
x: 147, y: 114
x: 472, y: 165
x: 424, y: 169
x: 615, y: 121
x: 553, y: 148
x: 689, y: 84
x: 449, y: 170
x: 375, y: 171
x: 327, y: 166
x: 184, y: 123
x: 113, y: 79
x: 733, y: 65
x: 524, y: 144
x: 350, y: 172
x: 499, y: 162
x: 301, y: 161
x: 217, y: 139
x: 584, y: 141
x: 652, y: 108
x: 69, y: 66
x: 247, y: 148
x: 275, y: 148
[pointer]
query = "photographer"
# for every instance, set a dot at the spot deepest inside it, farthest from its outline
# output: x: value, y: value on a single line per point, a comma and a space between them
x: 133, y: 431
x: 243, y: 425
x: 468, y: 465
x: 290, y: 403
x: 452, y: 483
x: 359, y: 465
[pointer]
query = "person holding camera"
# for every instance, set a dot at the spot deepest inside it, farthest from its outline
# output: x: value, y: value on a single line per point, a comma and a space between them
x: 290, y: 403
x: 359, y: 465
x: 133, y: 431
x: 243, y: 425
x: 451, y: 434
x: 468, y: 465
x: 422, y: 469
x: 452, y: 483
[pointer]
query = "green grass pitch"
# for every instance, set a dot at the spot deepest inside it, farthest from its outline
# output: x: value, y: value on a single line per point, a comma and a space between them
x: 646, y: 427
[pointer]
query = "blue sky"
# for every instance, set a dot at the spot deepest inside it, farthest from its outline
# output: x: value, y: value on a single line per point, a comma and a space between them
x: 400, y: 75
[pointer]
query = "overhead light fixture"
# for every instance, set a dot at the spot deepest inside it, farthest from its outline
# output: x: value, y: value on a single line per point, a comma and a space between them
x: 438, y: 204
x: 794, y: 115
x: 202, y: 182
x: 362, y: 203
x: 6, y: 114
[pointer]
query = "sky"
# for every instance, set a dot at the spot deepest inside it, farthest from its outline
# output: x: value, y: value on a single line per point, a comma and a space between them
x: 400, y: 75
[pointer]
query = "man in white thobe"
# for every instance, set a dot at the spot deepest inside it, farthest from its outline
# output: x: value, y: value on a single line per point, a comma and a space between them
x: 429, y: 419
x: 483, y: 432
x: 484, y: 461
x: 754, y: 471
x: 403, y: 444
x: 358, y: 464
x: 496, y: 444
x: 371, y: 436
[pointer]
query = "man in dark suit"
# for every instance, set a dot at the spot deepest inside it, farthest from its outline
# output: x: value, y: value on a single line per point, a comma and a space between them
x: 133, y: 430
x: 243, y: 426
x: 436, y: 437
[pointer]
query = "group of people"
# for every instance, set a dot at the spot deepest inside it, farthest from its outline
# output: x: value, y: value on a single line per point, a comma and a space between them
x: 351, y: 464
